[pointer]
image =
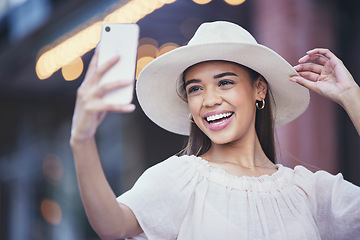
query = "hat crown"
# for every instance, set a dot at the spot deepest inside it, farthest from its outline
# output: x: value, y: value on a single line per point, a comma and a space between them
x: 221, y: 32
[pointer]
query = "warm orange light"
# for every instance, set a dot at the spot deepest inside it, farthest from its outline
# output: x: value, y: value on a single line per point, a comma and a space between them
x: 73, y: 70
x: 147, y: 50
x: 52, y: 58
x: 234, y: 2
x: 67, y: 51
x: 43, y: 64
x: 202, y: 1
x: 167, y: 47
x: 51, y: 211
x: 141, y: 63
x: 147, y: 40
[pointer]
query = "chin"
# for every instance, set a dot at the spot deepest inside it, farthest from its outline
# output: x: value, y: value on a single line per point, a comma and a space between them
x: 222, y: 140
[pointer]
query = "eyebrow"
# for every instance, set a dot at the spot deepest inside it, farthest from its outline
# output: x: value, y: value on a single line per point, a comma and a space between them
x: 215, y: 77
x: 225, y: 74
x: 192, y: 81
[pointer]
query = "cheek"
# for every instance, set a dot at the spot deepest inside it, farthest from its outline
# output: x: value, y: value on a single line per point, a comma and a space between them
x: 242, y: 101
x: 194, y: 105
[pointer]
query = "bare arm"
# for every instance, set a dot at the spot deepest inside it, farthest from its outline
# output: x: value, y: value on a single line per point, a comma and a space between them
x: 109, y: 219
x: 351, y: 103
x: 322, y: 72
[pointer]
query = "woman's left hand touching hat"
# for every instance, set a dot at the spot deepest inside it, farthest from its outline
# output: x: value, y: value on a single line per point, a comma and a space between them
x: 322, y: 72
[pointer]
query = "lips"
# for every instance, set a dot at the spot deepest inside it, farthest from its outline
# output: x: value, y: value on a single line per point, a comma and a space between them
x: 218, y: 117
x: 218, y: 120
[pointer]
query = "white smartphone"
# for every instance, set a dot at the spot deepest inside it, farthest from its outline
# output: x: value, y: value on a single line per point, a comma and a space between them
x: 119, y: 39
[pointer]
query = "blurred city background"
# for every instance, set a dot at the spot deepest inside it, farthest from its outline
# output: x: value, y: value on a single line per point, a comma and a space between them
x: 45, y: 48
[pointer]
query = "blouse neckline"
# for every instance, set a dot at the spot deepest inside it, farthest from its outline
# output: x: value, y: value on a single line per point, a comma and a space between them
x: 220, y: 176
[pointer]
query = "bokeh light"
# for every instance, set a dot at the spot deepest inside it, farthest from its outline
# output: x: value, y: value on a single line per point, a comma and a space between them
x: 147, y: 40
x: 147, y: 50
x: 51, y: 211
x: 202, y: 1
x: 65, y: 52
x: 167, y: 47
x: 73, y: 70
x: 141, y: 63
x: 72, y: 46
x: 234, y: 2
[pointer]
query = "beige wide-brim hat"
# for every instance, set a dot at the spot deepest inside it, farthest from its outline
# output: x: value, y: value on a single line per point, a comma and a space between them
x: 157, y: 83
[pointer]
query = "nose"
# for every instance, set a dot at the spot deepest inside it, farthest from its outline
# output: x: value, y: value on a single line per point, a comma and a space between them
x: 211, y: 98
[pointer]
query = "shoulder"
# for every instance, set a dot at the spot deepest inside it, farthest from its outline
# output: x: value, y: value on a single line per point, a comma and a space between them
x: 164, y: 178
x: 302, y: 174
x: 304, y: 177
x: 321, y: 183
x: 333, y: 200
x: 174, y: 169
x: 174, y: 163
x: 167, y: 183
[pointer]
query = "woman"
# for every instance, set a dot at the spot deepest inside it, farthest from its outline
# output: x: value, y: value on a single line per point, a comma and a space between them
x: 227, y: 92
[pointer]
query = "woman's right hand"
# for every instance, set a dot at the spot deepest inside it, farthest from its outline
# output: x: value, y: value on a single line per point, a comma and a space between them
x: 90, y: 109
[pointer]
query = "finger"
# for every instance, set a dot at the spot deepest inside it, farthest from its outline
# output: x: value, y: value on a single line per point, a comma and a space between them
x: 304, y: 82
x: 309, y: 76
x: 309, y: 67
x: 105, y: 88
x: 91, y: 69
x: 316, y: 58
x: 121, y: 108
x: 323, y: 51
x: 101, y: 70
x: 101, y: 106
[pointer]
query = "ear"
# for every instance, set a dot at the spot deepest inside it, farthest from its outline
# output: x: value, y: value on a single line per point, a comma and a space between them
x: 261, y: 88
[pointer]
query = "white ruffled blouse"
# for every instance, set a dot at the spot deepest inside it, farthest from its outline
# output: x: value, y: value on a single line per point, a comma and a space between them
x: 186, y: 198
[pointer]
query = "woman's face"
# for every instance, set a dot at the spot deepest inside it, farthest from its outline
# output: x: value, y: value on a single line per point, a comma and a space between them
x: 222, y: 99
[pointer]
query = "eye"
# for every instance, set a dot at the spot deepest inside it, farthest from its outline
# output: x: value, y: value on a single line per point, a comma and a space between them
x: 225, y: 83
x: 193, y: 89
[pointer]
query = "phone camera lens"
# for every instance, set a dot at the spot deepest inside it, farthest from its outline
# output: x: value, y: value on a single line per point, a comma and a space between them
x: 107, y: 29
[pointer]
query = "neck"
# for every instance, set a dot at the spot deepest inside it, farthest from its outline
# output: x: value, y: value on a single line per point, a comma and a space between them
x: 246, y: 153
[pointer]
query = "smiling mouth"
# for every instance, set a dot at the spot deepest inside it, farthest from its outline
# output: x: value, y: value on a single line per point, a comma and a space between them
x: 218, y: 117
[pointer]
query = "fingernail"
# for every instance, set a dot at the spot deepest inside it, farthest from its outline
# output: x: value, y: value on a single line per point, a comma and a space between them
x: 300, y: 59
x: 292, y: 80
x: 132, y: 107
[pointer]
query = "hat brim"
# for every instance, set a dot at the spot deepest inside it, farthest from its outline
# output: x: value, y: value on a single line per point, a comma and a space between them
x: 156, y: 86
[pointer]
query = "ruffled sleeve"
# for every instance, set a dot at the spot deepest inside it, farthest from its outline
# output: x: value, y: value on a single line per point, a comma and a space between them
x: 160, y: 197
x: 334, y: 202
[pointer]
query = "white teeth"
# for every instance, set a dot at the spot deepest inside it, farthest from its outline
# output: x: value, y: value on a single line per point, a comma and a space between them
x: 218, y: 116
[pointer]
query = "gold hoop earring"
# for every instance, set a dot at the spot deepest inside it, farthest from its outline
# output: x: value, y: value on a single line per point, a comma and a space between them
x: 262, y: 104
x: 191, y: 118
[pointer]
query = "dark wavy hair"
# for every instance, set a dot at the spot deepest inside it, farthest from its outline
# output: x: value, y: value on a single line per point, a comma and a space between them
x: 198, y: 143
